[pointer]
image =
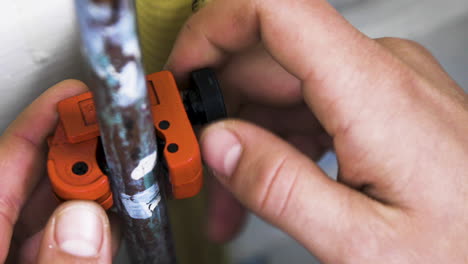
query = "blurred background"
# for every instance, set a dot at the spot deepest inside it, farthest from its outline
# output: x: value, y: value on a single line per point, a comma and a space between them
x: 39, y: 47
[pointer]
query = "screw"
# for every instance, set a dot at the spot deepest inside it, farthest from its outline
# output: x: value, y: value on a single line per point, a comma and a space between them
x: 164, y: 124
x: 80, y: 168
x: 173, y: 148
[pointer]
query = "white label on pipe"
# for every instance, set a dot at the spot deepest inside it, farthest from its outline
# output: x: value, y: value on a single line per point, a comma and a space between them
x: 145, y: 166
x: 142, y: 204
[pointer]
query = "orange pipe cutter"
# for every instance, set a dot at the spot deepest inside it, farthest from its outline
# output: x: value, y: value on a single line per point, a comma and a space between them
x: 76, y: 164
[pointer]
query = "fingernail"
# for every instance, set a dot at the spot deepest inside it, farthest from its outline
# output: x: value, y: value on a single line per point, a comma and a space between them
x: 221, y: 151
x: 78, y: 231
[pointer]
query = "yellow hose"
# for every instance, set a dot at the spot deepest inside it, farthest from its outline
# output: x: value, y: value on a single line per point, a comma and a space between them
x: 159, y: 22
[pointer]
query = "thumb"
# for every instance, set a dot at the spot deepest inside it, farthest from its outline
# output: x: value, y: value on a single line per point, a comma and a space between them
x: 284, y: 187
x: 77, y: 232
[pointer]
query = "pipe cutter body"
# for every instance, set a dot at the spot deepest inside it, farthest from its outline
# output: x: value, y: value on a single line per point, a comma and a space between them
x: 75, y: 161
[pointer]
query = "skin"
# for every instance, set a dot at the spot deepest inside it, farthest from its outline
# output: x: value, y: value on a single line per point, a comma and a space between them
x: 395, y: 119
x: 296, y: 71
x: 28, y: 209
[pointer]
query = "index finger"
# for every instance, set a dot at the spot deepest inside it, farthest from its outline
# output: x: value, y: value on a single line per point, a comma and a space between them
x: 340, y: 68
x: 22, y: 154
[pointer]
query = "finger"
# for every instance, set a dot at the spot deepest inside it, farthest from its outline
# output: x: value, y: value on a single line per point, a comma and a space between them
x: 78, y: 232
x: 340, y: 69
x: 254, y: 76
x: 27, y: 232
x: 284, y: 187
x: 296, y: 124
x: 22, y: 157
x: 287, y: 120
x: 226, y: 215
x: 29, y: 250
x: 36, y: 211
x: 420, y: 59
x: 314, y: 149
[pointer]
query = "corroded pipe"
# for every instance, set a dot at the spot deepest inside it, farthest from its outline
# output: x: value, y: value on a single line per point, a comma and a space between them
x: 117, y: 80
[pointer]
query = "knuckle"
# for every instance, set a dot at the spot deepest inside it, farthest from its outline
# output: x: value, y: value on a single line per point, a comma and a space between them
x: 275, y: 188
x: 70, y: 83
x: 284, y: 205
x: 392, y: 41
x: 403, y: 46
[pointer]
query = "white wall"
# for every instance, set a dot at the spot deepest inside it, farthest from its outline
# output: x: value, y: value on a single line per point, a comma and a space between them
x: 38, y: 47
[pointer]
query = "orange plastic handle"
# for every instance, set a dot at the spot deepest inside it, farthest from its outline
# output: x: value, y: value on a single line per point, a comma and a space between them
x: 72, y: 162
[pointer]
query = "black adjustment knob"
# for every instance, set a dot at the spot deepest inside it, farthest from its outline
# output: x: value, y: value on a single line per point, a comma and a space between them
x: 204, y: 101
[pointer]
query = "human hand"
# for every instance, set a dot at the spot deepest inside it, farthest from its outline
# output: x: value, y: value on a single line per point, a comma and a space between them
x: 76, y: 232
x: 397, y: 120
